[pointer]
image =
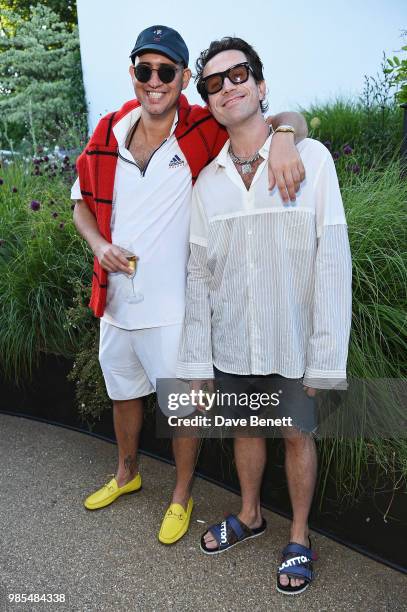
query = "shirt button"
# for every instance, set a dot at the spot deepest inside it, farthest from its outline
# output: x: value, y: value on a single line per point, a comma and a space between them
x: 250, y: 232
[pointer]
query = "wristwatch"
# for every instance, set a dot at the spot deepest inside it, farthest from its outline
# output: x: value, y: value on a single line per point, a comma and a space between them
x: 285, y: 129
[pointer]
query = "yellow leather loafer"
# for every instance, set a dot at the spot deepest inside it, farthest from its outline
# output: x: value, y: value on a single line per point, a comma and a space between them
x: 175, y: 523
x: 110, y: 492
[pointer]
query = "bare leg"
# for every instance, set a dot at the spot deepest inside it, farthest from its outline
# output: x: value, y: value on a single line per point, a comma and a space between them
x: 301, y: 470
x: 185, y: 454
x: 128, y: 420
x: 250, y: 458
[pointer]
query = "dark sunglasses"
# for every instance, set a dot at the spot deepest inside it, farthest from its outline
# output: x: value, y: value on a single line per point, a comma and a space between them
x: 166, y: 73
x: 214, y: 82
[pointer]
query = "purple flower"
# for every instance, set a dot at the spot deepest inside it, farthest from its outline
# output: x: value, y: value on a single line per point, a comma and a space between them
x: 46, y: 158
x: 61, y: 226
x: 328, y: 144
x: 355, y: 168
x: 66, y: 159
x: 347, y: 150
x: 336, y: 155
x: 55, y: 214
x: 14, y: 190
x: 36, y: 162
x: 35, y: 205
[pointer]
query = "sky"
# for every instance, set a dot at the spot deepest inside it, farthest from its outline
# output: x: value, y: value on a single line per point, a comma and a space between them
x: 312, y: 51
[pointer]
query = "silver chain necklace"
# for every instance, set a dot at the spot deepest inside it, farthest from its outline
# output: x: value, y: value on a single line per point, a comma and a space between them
x: 245, y: 163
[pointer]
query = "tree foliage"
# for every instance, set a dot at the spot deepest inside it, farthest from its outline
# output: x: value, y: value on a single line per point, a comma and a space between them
x: 40, y: 74
x: 397, y: 68
x: 65, y: 9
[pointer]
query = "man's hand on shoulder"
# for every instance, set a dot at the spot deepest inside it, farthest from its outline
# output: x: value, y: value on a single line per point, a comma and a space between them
x: 111, y: 258
x: 286, y: 169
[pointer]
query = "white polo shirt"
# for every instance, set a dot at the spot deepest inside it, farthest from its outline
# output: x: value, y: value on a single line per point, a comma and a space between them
x: 150, y: 217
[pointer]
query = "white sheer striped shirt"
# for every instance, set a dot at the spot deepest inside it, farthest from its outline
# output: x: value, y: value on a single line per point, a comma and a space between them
x: 269, y: 284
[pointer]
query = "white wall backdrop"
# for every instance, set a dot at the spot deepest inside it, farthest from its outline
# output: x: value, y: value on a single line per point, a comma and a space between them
x: 311, y: 50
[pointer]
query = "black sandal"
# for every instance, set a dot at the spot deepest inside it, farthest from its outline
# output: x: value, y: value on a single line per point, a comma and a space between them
x: 230, y: 532
x: 296, y: 563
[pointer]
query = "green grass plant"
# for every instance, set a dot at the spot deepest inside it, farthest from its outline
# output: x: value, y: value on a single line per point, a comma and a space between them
x: 376, y: 210
x: 41, y: 256
x: 373, y: 132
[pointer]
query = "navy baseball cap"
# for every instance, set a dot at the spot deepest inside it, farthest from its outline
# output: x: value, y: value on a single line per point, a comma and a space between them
x: 162, y: 39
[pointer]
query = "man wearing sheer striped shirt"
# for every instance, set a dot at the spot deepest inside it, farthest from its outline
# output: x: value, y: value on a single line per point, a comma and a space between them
x: 269, y: 287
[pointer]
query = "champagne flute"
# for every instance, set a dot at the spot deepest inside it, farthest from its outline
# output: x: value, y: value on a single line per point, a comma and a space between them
x: 135, y: 297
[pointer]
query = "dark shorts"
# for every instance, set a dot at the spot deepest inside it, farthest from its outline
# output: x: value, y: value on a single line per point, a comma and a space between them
x: 270, y: 397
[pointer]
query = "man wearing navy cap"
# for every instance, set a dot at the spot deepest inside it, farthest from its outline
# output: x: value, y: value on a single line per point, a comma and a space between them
x: 165, y: 41
x: 133, y: 198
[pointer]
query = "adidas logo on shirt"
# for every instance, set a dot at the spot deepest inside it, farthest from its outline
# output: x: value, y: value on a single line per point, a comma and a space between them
x: 175, y: 162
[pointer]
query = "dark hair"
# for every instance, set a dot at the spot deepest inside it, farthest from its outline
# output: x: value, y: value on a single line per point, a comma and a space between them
x: 229, y: 43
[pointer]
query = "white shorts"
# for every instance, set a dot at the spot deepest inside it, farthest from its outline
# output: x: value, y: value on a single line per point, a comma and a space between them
x: 132, y: 360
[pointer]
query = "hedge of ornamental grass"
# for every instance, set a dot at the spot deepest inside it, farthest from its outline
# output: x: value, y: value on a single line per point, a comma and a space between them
x: 374, y: 131
x: 41, y: 259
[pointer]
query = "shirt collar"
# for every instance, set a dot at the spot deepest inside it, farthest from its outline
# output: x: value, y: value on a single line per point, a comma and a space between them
x: 222, y: 157
x: 123, y: 127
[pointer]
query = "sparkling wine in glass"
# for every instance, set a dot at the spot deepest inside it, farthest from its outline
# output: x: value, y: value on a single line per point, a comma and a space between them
x: 135, y: 296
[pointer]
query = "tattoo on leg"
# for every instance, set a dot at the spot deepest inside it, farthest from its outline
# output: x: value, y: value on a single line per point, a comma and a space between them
x: 130, y: 463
